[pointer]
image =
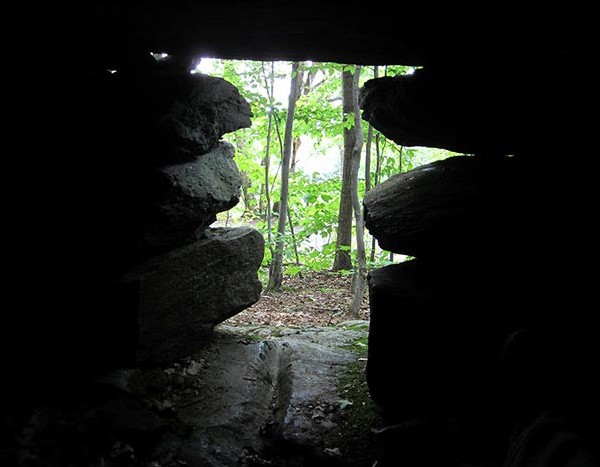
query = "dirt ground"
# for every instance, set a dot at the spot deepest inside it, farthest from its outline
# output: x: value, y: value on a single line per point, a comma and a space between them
x: 313, y: 299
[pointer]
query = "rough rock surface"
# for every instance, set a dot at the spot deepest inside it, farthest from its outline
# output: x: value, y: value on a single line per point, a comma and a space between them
x: 443, y: 348
x: 113, y: 130
x: 434, y: 109
x: 471, y: 109
x: 279, y: 392
x: 212, y: 108
x: 439, y: 208
x: 174, y: 116
x: 185, y: 197
x: 404, y: 323
x: 185, y: 292
x: 314, y: 30
x: 441, y: 329
x: 253, y: 396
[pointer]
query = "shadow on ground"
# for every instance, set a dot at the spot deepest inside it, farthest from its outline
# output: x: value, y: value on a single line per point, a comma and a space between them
x: 253, y: 396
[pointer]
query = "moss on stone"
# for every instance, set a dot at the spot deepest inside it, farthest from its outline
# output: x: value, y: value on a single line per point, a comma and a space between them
x: 360, y: 416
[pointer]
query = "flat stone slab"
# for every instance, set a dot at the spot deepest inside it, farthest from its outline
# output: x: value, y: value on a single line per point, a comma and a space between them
x: 277, y: 390
x: 183, y: 294
x: 252, y: 396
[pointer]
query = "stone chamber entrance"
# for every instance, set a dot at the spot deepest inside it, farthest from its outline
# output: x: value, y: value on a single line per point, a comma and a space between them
x: 481, y: 351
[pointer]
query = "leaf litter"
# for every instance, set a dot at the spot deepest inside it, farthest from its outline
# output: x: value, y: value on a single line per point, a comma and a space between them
x: 310, y: 299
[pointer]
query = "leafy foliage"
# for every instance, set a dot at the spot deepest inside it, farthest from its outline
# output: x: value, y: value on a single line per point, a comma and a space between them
x: 318, y: 125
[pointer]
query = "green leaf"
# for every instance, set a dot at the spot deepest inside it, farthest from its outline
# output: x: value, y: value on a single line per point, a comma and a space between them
x: 293, y: 270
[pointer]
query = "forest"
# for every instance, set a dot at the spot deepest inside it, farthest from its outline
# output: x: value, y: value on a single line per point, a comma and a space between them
x: 306, y: 163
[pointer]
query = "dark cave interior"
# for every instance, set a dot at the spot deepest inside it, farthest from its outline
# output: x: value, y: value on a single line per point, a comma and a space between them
x: 502, y: 283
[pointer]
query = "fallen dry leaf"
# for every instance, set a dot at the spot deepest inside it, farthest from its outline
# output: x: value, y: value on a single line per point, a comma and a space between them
x: 315, y: 299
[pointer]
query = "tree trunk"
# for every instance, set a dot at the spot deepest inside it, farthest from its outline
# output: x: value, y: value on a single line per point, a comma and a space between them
x: 368, y: 146
x: 295, y: 147
x: 269, y: 84
x: 377, y: 170
x: 399, y: 171
x: 360, y: 274
x: 400, y: 165
x: 303, y: 89
x: 368, y: 166
x: 261, y: 203
x: 249, y: 201
x: 368, y: 158
x: 278, y: 133
x: 269, y: 214
x: 343, y: 259
x: 276, y: 267
x: 293, y: 239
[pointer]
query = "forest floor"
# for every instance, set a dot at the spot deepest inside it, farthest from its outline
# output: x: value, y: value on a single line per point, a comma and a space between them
x: 310, y: 299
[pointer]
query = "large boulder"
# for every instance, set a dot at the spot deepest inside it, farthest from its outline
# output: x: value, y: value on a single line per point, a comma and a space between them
x: 212, y: 108
x: 470, y: 110
x: 452, y: 206
x: 113, y: 129
x: 177, y: 298
x: 406, y: 335
x: 174, y: 116
x: 435, y: 339
x: 185, y: 198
